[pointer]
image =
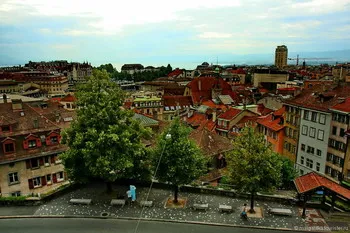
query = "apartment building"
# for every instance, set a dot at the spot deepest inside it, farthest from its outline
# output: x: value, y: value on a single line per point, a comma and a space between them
x: 30, y: 148
x: 291, y: 131
x: 149, y: 105
x: 314, y: 135
x: 338, y: 153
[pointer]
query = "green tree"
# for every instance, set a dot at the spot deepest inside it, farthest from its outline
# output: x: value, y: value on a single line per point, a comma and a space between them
x: 252, y: 166
x: 168, y: 69
x: 104, y: 141
x: 288, y: 172
x: 178, y: 159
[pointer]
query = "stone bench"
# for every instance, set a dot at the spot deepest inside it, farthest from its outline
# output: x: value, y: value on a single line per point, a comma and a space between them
x: 280, y: 211
x: 198, y: 206
x: 118, y: 202
x: 225, y: 208
x: 80, y: 201
x: 146, y: 203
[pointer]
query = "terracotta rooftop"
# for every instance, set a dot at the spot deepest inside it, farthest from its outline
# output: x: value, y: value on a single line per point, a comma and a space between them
x: 271, y: 123
x: 321, y: 96
x: 230, y: 114
x: 175, y: 73
x: 69, y: 98
x: 201, y: 88
x: 177, y: 100
x: 211, y: 143
x: 312, y: 181
x: 344, y: 106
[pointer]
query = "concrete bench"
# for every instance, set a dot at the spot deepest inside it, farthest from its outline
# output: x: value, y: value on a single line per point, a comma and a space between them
x: 225, y: 208
x: 118, y: 202
x: 200, y: 206
x: 146, y: 203
x: 80, y: 201
x: 280, y: 211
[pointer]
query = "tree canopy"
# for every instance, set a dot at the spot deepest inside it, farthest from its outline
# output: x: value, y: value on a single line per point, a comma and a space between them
x: 104, y: 141
x: 181, y: 159
x: 252, y: 165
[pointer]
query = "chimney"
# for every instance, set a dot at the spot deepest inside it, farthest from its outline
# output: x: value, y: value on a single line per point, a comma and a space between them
x: 4, y: 96
x: 199, y: 85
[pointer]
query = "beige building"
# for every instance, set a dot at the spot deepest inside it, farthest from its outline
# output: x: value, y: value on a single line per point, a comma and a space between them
x: 30, y: 148
x: 281, y: 56
x: 149, y: 105
x: 269, y: 77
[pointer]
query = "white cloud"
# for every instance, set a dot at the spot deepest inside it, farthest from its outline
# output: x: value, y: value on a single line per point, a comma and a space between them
x: 45, y: 30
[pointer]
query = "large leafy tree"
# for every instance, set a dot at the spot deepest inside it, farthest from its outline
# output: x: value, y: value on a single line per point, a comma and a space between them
x: 288, y: 172
x: 104, y: 141
x: 178, y: 159
x: 252, y: 165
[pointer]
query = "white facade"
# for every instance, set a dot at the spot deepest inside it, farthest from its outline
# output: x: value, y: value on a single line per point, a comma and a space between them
x: 313, y: 141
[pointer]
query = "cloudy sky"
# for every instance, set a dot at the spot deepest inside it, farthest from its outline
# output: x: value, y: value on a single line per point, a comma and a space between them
x: 155, y: 31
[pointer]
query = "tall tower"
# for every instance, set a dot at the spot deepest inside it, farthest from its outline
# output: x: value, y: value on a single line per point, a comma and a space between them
x: 281, y: 56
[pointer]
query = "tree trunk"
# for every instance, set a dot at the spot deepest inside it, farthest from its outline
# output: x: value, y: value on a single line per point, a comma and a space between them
x: 252, y: 202
x: 176, y: 192
x: 109, y: 187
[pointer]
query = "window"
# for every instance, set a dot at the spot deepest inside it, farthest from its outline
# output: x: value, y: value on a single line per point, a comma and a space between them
x: 303, y: 147
x: 306, y: 115
x: 310, y: 150
x: 319, y: 152
x: 60, y: 176
x: 318, y: 167
x: 329, y: 157
x: 320, y: 134
x: 322, y: 119
x: 342, y: 132
x: 34, y: 163
x: 328, y: 170
x: 314, y: 116
x: 302, y: 160
x: 47, y: 160
x: 304, y: 130
x: 5, y: 128
x: 334, y: 130
x: 301, y: 172
x: 312, y: 132
x: 9, y: 147
x: 37, y: 182
x: 54, y: 140
x: 32, y: 143
x: 48, y: 179
x: 16, y: 194
x: 309, y: 163
x: 13, y: 178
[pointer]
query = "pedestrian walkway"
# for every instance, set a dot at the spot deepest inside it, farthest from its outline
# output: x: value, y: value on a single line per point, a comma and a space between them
x: 101, y: 204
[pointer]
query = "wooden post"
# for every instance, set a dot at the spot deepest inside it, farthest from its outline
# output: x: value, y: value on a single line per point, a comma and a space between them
x: 304, y: 207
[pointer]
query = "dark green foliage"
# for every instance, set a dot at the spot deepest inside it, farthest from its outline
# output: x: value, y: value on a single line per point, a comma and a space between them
x: 104, y: 141
x: 182, y: 161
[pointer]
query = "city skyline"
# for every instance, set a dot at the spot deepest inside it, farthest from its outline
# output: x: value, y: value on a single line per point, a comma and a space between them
x: 155, y: 32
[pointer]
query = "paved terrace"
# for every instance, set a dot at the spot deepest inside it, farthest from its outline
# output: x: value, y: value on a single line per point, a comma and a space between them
x: 101, y: 203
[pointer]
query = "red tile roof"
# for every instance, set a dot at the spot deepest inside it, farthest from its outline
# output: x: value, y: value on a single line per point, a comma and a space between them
x: 175, y: 73
x: 212, y: 105
x: 69, y: 98
x: 177, y: 100
x: 246, y: 119
x: 264, y: 110
x: 344, y: 106
x: 230, y: 114
x: 201, y: 88
x: 269, y: 122
x: 321, y: 96
x: 280, y: 111
x: 313, y: 181
x: 196, y: 119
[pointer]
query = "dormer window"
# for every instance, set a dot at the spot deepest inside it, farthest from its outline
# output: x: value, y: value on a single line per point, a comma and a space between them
x: 5, y: 128
x: 9, y: 147
x: 54, y: 139
x: 32, y: 143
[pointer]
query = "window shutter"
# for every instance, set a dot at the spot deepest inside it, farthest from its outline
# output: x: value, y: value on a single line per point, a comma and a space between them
x: 25, y: 144
x: 54, y: 178
x: 47, y: 141
x: 41, y: 161
x: 28, y: 164
x: 43, y: 180
x: 53, y: 159
x: 30, y: 182
x: 38, y: 142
